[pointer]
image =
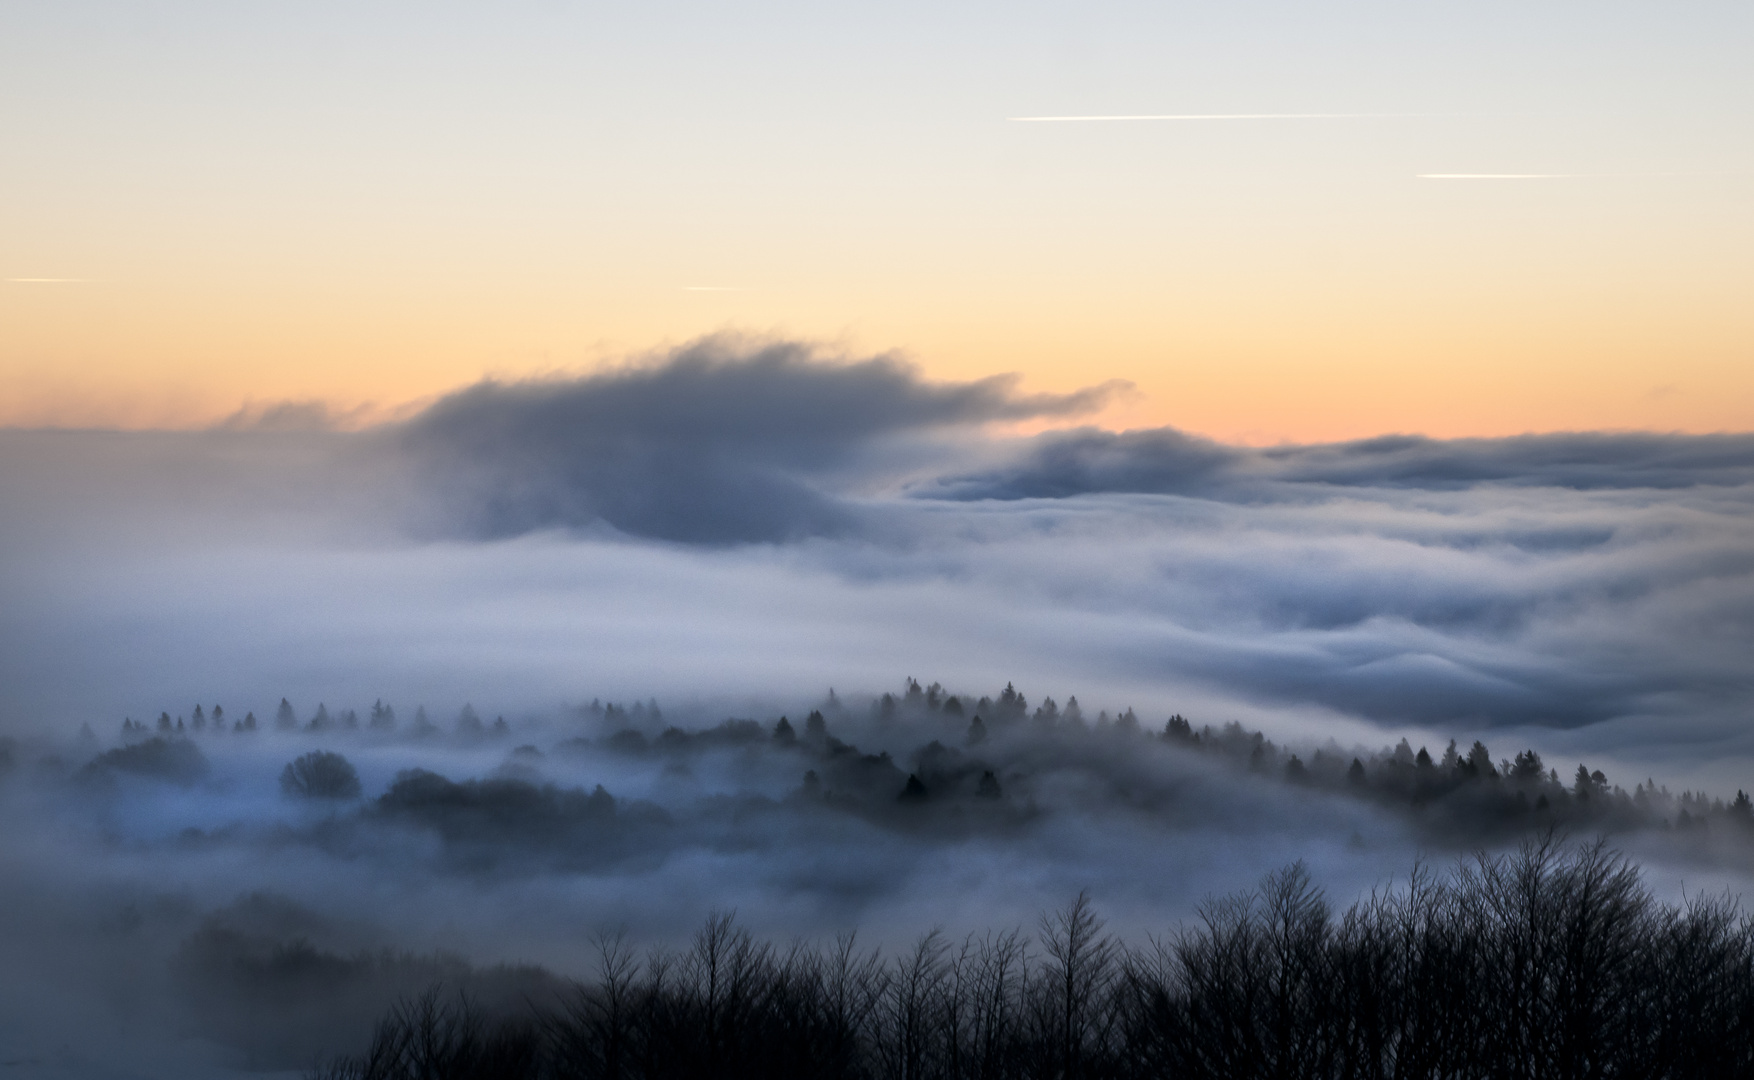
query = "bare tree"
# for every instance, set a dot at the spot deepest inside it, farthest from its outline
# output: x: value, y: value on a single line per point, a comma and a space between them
x: 1078, y: 972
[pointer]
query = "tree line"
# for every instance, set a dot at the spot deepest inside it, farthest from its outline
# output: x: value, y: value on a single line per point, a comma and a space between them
x: 1465, y: 794
x: 1462, y: 795
x: 382, y: 719
x: 1551, y: 962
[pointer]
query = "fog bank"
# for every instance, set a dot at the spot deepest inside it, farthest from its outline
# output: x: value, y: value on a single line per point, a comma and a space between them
x: 730, y: 532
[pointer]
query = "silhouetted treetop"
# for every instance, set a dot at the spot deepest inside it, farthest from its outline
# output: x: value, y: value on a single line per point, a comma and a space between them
x: 320, y: 774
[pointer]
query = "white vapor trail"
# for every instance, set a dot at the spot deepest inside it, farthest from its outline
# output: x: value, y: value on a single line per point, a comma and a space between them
x: 1205, y: 116
x: 1499, y: 176
x: 1558, y: 176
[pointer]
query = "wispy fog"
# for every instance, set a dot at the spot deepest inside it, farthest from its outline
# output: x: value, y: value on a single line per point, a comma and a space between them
x: 729, y: 534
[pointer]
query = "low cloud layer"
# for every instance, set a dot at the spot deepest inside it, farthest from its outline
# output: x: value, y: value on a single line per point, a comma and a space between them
x: 732, y: 530
x: 1166, y: 461
x: 735, y: 518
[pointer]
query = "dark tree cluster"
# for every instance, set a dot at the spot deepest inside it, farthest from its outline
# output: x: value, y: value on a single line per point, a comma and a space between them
x: 1550, y: 962
x: 641, y: 713
x: 178, y: 761
x: 1466, y: 795
x: 1009, y: 708
x: 728, y: 733
x: 837, y: 773
x: 486, y: 824
x: 320, y: 774
x: 198, y: 722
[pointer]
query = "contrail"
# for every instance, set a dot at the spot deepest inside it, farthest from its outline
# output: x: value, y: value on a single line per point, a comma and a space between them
x: 1206, y: 116
x: 1500, y: 176
x: 1551, y: 175
x: 713, y: 288
x: 44, y: 280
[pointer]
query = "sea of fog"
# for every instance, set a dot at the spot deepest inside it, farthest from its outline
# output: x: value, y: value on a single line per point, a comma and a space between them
x: 748, y: 532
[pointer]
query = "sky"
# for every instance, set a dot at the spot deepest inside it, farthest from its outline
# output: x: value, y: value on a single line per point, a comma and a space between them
x: 1459, y: 219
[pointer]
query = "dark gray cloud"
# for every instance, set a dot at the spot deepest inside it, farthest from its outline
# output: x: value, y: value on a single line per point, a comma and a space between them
x: 715, y: 443
x: 1582, y: 461
x: 1166, y: 461
x: 1064, y: 464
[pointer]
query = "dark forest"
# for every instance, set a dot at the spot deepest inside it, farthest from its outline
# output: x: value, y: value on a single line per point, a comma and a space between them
x: 1552, y: 961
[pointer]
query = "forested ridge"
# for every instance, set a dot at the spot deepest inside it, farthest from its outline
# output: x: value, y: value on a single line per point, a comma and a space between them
x: 976, y: 752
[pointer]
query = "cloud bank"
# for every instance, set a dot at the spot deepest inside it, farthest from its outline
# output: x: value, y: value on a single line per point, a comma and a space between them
x: 786, y: 519
x: 733, y: 529
x: 1166, y: 461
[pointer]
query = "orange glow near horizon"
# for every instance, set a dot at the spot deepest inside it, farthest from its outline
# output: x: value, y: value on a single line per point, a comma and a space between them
x: 1336, y: 361
x: 231, y: 208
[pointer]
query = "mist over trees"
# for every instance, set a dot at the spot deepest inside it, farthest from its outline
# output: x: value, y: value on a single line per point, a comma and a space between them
x: 976, y: 752
x: 1548, y: 962
x: 852, y: 806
